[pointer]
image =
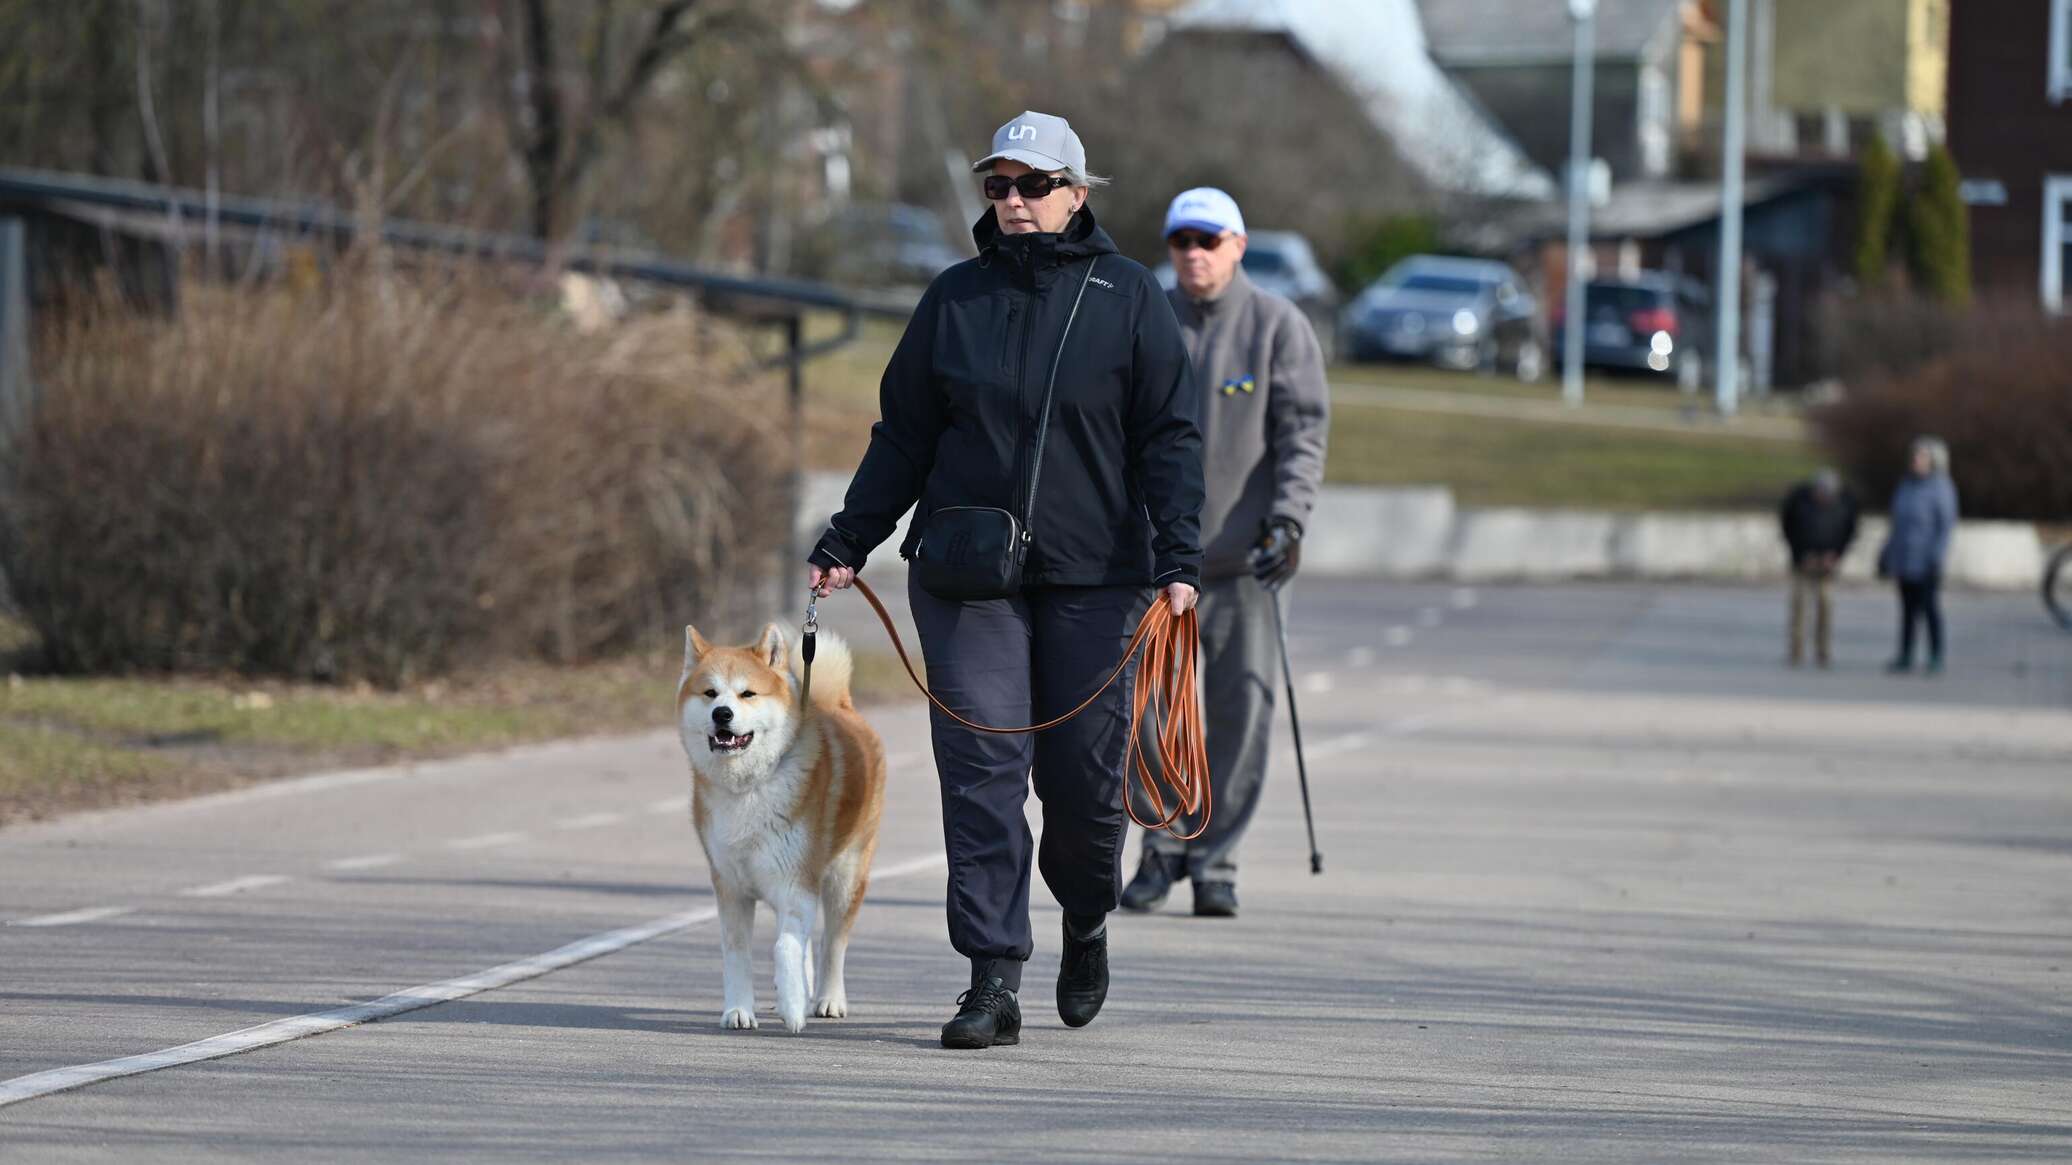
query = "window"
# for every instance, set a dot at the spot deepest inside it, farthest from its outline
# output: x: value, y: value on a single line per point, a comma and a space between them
x: 2057, y: 241
x: 2060, y: 50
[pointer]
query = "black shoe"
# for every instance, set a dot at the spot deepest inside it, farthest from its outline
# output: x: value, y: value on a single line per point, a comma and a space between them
x: 1215, y: 900
x: 988, y: 1015
x: 1899, y: 667
x: 1156, y: 874
x: 1082, y: 978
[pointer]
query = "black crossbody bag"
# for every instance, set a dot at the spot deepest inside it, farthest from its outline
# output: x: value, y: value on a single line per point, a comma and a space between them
x: 970, y: 553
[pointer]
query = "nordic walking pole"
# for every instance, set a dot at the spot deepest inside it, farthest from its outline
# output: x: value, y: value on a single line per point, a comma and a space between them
x: 1280, y: 624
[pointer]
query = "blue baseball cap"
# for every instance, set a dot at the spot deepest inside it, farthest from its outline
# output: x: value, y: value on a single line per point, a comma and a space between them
x: 1204, y: 209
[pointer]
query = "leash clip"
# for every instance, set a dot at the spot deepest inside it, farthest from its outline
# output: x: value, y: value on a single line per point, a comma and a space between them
x: 812, y: 611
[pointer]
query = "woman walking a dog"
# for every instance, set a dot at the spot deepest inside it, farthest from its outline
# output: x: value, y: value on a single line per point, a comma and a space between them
x: 1041, y: 411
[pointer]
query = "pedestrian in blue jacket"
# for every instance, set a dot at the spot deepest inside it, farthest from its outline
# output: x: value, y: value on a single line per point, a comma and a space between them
x: 1924, y: 515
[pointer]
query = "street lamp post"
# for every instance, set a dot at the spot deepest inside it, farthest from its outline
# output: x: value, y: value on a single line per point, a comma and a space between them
x: 1584, y: 13
x: 1733, y: 147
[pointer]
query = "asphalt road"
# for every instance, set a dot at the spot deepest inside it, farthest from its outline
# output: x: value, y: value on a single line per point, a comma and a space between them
x: 1604, y: 881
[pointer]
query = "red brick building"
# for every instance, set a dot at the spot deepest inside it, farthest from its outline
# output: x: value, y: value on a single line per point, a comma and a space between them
x: 2010, y: 127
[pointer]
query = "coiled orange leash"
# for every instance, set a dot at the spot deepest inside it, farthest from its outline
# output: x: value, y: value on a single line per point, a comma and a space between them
x: 1175, y: 784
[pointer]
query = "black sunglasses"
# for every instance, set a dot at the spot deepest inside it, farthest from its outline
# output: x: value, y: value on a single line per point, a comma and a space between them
x: 1187, y: 240
x: 1033, y: 185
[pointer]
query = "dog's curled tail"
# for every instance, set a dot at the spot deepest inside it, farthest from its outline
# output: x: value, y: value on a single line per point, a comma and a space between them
x: 832, y: 667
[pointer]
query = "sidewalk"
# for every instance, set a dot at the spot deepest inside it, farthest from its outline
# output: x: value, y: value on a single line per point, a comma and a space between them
x: 1602, y: 883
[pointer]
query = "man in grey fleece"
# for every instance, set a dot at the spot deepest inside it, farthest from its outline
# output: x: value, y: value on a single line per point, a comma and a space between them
x: 1265, y: 410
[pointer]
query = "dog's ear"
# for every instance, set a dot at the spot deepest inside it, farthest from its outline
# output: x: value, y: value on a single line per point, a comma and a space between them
x: 773, y: 648
x: 694, y: 647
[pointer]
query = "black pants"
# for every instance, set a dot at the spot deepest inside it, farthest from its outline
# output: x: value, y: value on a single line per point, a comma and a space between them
x: 1920, y: 600
x: 1011, y: 662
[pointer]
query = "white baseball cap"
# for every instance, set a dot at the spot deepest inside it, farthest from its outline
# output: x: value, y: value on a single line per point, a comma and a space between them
x: 1204, y: 209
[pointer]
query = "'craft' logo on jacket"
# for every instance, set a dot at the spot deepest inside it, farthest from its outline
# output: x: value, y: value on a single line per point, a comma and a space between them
x: 1238, y: 384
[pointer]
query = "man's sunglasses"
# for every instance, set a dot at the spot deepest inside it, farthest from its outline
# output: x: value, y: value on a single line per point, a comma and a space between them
x: 1188, y: 240
x: 1033, y: 185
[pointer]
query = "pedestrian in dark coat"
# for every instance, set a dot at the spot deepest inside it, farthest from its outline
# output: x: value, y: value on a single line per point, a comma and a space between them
x: 1819, y: 520
x: 1924, y: 516
x: 1049, y: 339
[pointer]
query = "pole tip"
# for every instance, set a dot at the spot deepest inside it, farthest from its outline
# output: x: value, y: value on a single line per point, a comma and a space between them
x: 1316, y: 863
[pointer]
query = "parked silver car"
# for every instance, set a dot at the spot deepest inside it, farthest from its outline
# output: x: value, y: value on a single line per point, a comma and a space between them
x: 1453, y: 312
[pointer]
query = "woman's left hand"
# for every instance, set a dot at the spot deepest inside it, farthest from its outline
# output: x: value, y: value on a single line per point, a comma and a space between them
x: 1181, y: 596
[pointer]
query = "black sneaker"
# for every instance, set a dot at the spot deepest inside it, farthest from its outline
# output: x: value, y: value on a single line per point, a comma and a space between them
x: 988, y: 1015
x: 1156, y: 874
x: 1082, y: 978
x: 1215, y: 900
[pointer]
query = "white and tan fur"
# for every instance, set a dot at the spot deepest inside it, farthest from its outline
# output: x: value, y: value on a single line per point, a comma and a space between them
x: 789, y: 816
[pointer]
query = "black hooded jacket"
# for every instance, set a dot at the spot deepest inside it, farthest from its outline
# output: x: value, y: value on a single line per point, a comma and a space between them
x: 1121, y: 489
x: 1813, y: 526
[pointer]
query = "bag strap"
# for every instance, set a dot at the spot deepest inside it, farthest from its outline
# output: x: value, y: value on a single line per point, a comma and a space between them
x: 1043, y: 425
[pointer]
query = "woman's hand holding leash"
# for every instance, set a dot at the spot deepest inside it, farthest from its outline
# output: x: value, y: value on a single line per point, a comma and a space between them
x: 824, y: 582
x: 1181, y: 596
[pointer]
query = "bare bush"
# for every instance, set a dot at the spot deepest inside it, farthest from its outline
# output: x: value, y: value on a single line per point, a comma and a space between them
x: 379, y: 480
x: 1992, y: 385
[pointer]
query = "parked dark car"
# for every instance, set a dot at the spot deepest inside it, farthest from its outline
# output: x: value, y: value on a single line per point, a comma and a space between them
x: 1453, y: 312
x: 1655, y: 323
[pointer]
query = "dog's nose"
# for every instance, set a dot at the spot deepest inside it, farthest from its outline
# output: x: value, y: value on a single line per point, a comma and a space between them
x: 723, y: 716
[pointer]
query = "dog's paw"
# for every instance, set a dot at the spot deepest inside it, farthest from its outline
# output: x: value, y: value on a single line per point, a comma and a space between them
x: 794, y: 1021
x: 737, y: 1019
x: 831, y: 1007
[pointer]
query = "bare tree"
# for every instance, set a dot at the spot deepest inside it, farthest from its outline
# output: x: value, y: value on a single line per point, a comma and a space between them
x: 558, y: 130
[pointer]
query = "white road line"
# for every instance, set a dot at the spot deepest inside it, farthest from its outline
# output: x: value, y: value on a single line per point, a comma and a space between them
x: 486, y: 840
x: 297, y: 1027
x: 1464, y: 598
x: 671, y: 805
x: 1430, y: 616
x: 591, y: 821
x: 910, y: 866
x: 1360, y: 657
x: 236, y: 885
x: 1355, y: 741
x: 1398, y: 636
x: 464, y: 768
x: 71, y: 917
x: 364, y: 862
x: 1318, y: 682
x: 1350, y: 742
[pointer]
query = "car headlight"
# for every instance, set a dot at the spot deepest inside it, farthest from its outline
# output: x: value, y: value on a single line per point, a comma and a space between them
x: 1465, y: 323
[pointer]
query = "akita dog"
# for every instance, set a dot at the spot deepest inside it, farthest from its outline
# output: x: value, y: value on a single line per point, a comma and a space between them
x: 786, y: 799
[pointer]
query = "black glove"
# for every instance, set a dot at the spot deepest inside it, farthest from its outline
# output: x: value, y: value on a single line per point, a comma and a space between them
x: 1278, y: 554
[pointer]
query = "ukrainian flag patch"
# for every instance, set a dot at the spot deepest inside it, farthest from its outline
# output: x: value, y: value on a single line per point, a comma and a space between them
x: 1235, y: 385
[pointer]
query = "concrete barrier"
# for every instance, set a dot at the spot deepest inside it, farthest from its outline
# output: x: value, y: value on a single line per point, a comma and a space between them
x: 1419, y: 532
x: 1718, y: 546
x: 1401, y: 533
x: 1496, y: 544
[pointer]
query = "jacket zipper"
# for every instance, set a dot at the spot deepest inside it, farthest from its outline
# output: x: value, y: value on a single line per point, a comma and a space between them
x: 1021, y: 404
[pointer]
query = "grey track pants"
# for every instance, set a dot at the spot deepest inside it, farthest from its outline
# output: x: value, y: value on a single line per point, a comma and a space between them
x: 1241, y: 672
x: 1017, y: 661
